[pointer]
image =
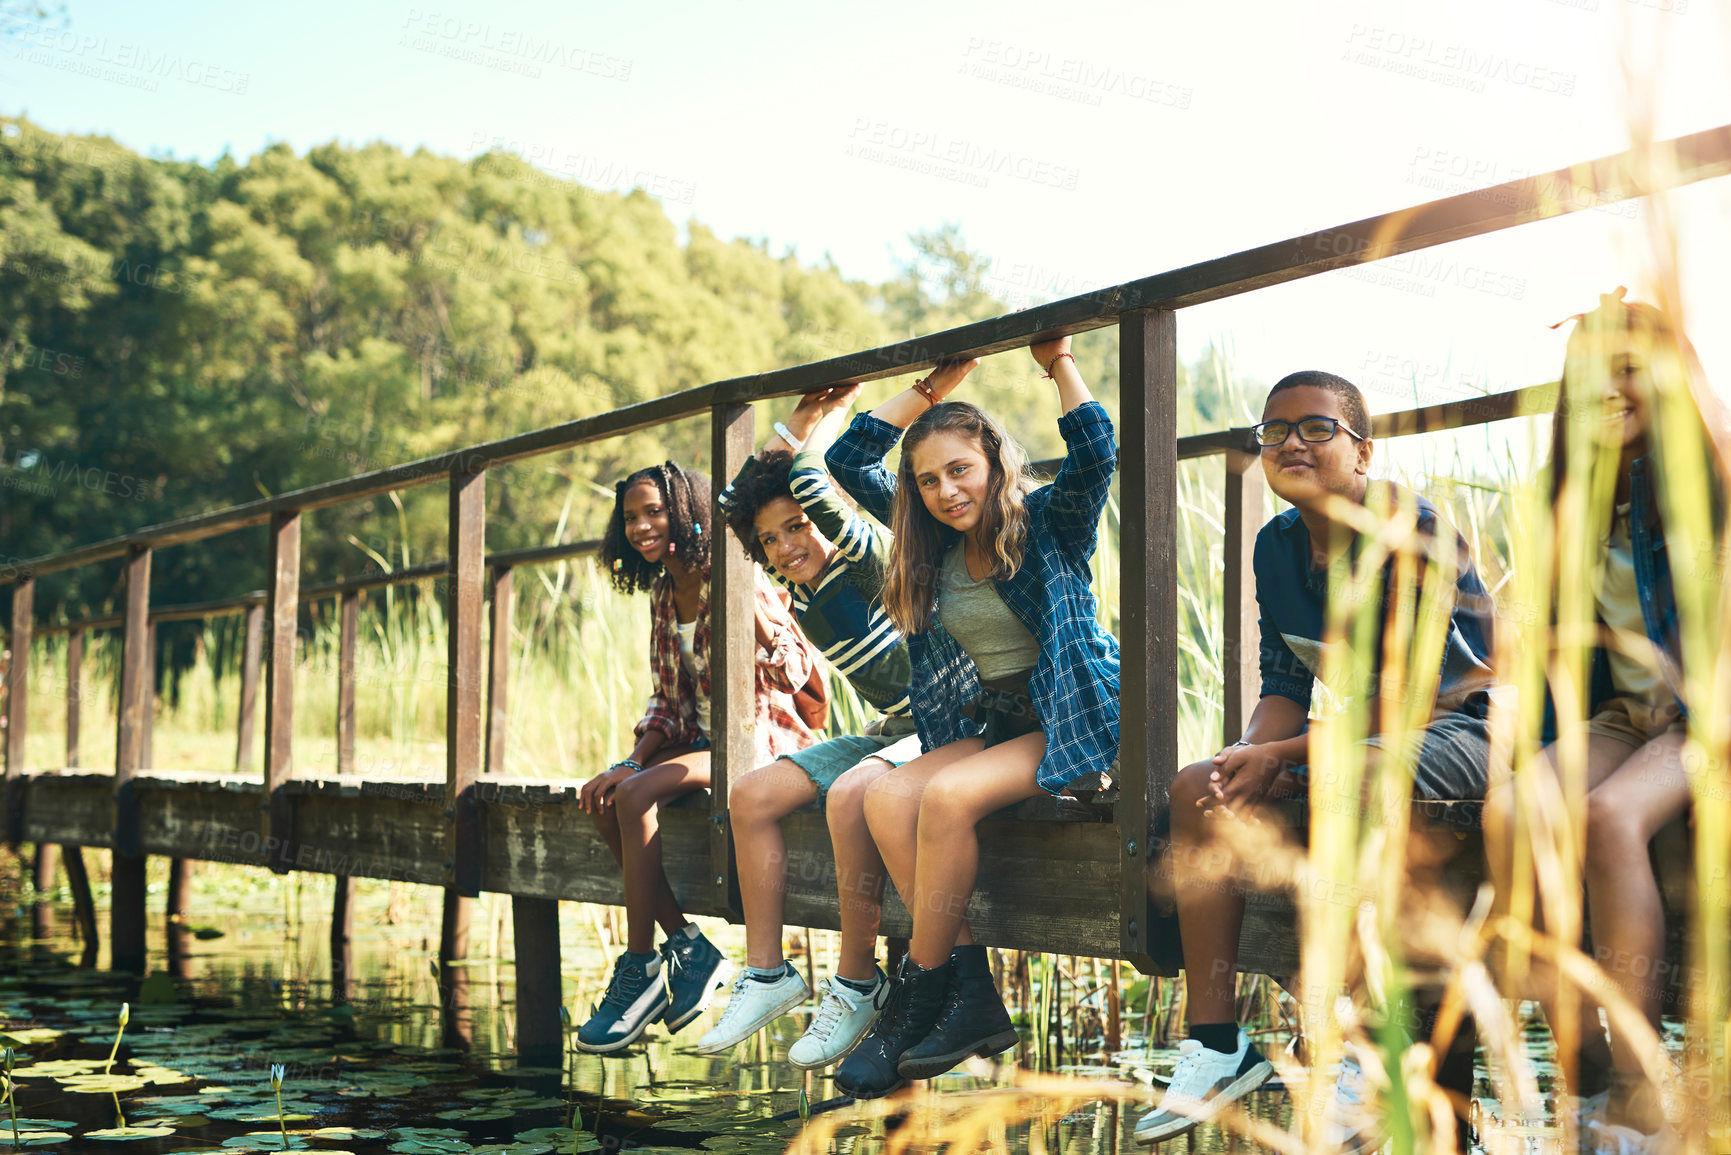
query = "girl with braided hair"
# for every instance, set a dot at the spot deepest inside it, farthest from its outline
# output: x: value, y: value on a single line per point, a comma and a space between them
x: 659, y: 540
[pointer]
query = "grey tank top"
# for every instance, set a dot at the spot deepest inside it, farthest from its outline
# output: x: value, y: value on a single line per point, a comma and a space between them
x: 975, y: 615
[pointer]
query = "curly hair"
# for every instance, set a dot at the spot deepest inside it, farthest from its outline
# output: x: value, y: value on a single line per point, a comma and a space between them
x: 685, y: 493
x: 916, y: 557
x: 762, y: 485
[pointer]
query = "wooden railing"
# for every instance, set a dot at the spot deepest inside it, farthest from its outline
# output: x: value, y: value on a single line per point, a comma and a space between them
x: 1145, y: 312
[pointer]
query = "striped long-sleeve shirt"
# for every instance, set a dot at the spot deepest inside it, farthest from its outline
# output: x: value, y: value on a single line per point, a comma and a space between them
x: 842, y: 612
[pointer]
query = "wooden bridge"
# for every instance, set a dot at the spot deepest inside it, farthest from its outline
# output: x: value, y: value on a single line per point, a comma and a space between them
x: 1059, y: 875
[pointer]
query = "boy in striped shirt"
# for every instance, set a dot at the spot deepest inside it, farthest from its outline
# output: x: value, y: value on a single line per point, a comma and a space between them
x: 789, y: 517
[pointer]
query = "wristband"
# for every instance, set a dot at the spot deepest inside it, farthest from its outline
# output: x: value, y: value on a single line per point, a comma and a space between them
x: 1054, y: 364
x: 925, y: 391
x: 636, y: 768
x: 789, y: 437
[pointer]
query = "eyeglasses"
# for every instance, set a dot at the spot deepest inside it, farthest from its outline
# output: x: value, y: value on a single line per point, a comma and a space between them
x: 1270, y: 434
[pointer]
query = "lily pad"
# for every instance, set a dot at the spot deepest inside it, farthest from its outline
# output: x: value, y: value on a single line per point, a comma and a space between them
x: 478, y: 1114
x: 31, y: 1138
x: 266, y: 1141
x: 122, y: 1134
x: 513, y: 1149
x: 6, y: 1125
x: 25, y: 1036
x: 101, y: 1084
x: 429, y: 1146
x: 344, y: 1134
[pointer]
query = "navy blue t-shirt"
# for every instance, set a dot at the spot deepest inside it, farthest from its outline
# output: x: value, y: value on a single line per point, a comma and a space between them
x: 1293, y: 599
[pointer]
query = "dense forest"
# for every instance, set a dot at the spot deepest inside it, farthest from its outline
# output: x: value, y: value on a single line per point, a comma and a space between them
x: 180, y: 336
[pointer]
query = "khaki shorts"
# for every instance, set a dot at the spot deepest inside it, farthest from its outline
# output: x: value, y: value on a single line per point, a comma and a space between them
x: 1635, y: 721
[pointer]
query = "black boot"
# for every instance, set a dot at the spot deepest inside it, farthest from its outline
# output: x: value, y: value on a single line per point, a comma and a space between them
x: 869, y: 1071
x: 973, y: 1020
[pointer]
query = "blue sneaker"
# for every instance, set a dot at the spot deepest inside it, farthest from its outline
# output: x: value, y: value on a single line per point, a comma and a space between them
x: 695, y: 970
x: 636, y: 996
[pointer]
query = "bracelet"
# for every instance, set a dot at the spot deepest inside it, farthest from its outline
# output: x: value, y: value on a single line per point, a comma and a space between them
x: 636, y: 768
x: 789, y: 437
x: 1054, y: 364
x: 925, y: 391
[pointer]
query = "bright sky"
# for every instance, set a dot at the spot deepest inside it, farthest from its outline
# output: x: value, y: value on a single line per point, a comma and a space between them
x: 1078, y: 145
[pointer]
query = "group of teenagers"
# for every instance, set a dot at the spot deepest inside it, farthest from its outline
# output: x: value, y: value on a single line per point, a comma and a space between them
x: 954, y: 594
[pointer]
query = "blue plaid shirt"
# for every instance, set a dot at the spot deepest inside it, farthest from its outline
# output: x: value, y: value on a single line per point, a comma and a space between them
x: 1075, y: 683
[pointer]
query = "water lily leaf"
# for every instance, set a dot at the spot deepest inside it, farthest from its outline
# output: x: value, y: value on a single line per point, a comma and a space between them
x: 54, y: 1068
x: 24, y: 1036
x: 426, y: 1133
x: 101, y: 1084
x: 174, y: 1121
x: 6, y: 1124
x: 558, y: 1136
x: 266, y: 1141
x: 429, y: 1146
x: 346, y: 1133
x: 529, y: 1104
x: 31, y: 1138
x: 513, y: 1149
x: 478, y: 1114
x: 123, y: 1134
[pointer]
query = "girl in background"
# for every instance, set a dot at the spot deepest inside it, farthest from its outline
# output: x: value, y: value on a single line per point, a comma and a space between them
x: 1622, y: 359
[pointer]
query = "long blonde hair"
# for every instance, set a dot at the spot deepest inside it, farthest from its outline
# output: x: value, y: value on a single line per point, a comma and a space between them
x: 916, y: 558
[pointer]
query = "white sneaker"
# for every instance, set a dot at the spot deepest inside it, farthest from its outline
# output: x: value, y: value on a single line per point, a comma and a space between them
x: 1204, y: 1083
x: 842, y: 1020
x: 754, y: 1005
x: 1352, y: 1124
x: 1611, y: 1139
x: 1588, y: 1113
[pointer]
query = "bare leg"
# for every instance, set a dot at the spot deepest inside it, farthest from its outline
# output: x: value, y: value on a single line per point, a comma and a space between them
x: 666, y: 909
x: 1210, y: 905
x: 859, y: 869
x: 756, y: 804
x: 636, y: 801
x: 1624, y: 812
x: 947, y: 861
x: 892, y: 812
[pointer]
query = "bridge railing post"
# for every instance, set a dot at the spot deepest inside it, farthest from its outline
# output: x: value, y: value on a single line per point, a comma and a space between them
x: 732, y: 646
x: 498, y: 671
x: 74, y: 695
x: 465, y: 854
x: 282, y: 612
x: 126, y: 915
x: 1148, y: 597
x: 1241, y: 633
x: 348, y: 615
x: 251, y: 657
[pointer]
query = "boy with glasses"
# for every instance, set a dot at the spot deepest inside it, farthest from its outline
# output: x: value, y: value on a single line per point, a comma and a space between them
x: 1316, y: 449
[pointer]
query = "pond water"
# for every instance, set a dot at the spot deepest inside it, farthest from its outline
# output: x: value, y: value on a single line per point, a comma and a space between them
x: 404, y: 1066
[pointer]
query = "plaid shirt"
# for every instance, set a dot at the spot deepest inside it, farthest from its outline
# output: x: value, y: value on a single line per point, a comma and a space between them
x: 1075, y: 683
x: 782, y: 668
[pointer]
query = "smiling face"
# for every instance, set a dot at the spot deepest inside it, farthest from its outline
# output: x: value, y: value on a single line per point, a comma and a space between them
x: 1302, y: 472
x: 794, y: 546
x: 646, y: 527
x: 954, y: 479
x: 1625, y: 404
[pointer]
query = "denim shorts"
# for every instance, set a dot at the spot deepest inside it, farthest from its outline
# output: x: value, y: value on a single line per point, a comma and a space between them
x: 824, y: 762
x: 1454, y: 756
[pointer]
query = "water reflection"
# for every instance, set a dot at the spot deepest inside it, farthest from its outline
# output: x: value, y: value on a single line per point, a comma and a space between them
x: 398, y: 1041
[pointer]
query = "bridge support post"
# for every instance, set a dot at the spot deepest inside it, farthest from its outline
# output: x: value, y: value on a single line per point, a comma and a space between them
x: 1148, y: 595
x: 535, y: 930
x: 175, y: 911
x: 147, y: 755
x: 83, y: 906
x: 127, y: 914
x: 342, y: 948
x: 732, y: 645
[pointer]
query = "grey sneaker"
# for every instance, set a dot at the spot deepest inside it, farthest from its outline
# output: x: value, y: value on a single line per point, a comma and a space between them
x: 1204, y: 1083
